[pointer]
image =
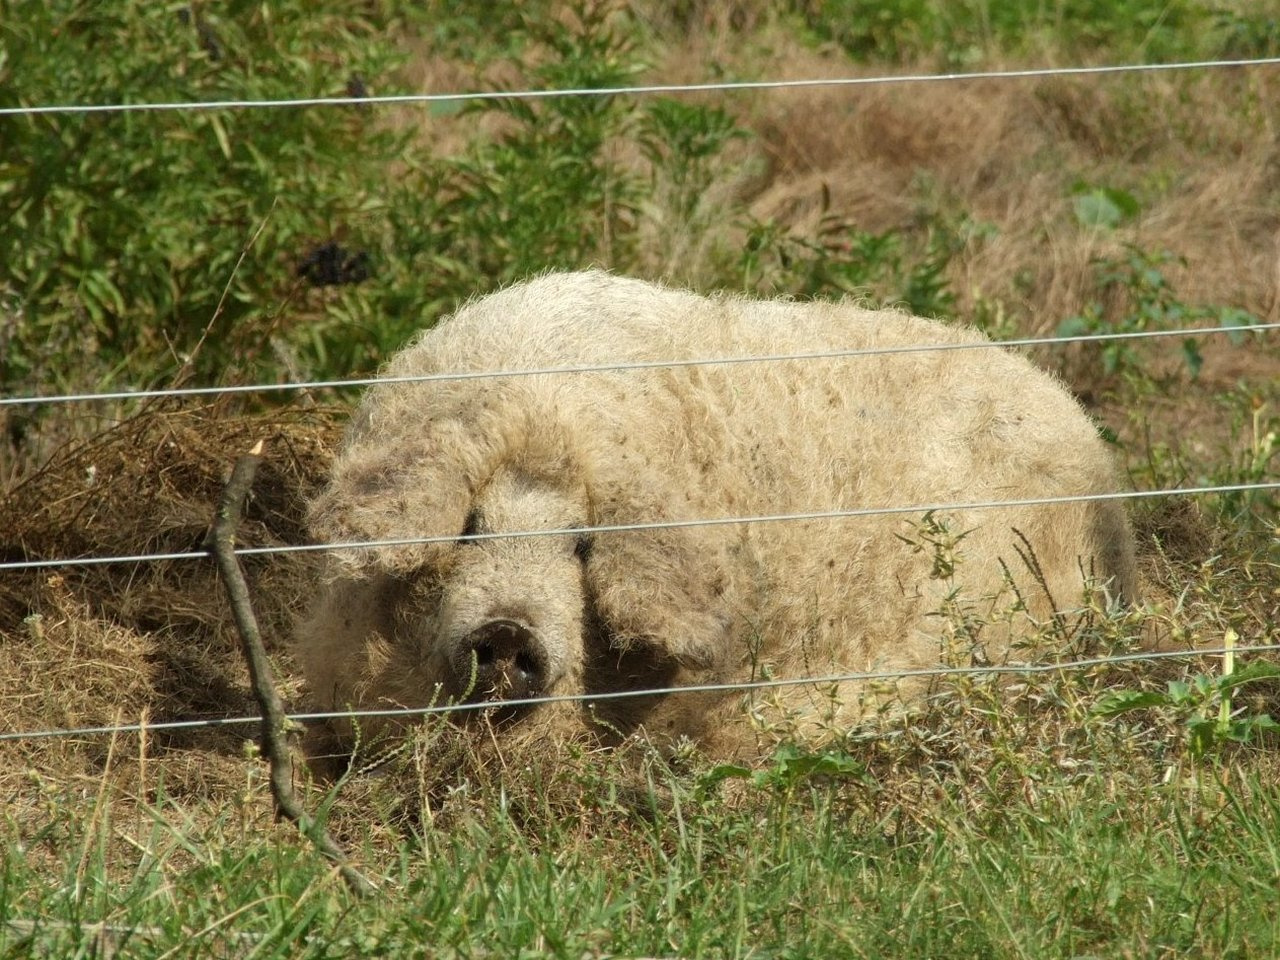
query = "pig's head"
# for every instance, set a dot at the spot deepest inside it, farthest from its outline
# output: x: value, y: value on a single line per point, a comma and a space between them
x: 483, y: 617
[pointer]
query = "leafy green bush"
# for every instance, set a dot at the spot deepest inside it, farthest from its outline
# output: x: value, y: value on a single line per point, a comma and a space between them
x: 681, y: 140
x: 139, y: 242
x: 566, y: 183
x: 251, y: 244
x: 550, y: 191
x: 141, y: 245
x: 961, y: 32
x: 841, y: 260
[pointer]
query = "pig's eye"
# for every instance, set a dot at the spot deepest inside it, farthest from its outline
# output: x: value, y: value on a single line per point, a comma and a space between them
x: 582, y: 547
x: 471, y: 528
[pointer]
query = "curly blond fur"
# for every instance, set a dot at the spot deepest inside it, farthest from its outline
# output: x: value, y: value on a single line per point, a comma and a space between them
x: 684, y: 605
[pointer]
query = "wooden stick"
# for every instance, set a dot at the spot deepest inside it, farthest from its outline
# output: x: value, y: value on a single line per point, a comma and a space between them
x: 221, y: 543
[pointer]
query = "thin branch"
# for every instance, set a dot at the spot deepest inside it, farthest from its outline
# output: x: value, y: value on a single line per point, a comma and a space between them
x: 184, y: 371
x: 221, y: 544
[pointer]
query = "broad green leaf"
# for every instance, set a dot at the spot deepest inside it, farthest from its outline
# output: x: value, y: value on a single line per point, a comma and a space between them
x: 1191, y: 354
x: 1230, y: 318
x: 1105, y: 207
x: 1073, y: 327
x: 1258, y: 670
x: 723, y: 771
x: 1120, y: 701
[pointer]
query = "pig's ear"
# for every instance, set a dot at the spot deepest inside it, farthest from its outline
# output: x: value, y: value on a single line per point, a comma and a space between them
x: 665, y: 589
x: 394, y: 488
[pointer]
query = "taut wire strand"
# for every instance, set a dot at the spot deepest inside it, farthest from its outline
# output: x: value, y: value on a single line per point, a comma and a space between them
x: 1009, y: 669
x: 656, y: 525
x: 633, y: 365
x: 636, y: 91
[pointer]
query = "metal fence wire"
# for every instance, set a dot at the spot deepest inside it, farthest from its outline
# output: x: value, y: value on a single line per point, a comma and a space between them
x: 1008, y: 669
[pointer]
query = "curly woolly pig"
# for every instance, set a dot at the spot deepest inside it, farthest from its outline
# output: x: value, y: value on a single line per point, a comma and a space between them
x: 486, y: 618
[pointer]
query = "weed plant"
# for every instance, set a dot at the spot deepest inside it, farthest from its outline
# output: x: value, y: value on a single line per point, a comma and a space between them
x: 1137, y: 297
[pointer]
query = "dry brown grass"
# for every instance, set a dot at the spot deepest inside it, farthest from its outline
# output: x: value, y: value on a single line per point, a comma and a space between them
x: 120, y: 643
x: 1197, y: 149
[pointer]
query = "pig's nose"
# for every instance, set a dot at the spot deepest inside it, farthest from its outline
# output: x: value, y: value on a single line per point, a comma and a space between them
x: 501, y: 660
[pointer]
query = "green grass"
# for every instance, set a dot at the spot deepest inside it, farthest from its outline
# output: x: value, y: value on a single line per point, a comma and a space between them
x: 959, y: 32
x: 1078, y: 868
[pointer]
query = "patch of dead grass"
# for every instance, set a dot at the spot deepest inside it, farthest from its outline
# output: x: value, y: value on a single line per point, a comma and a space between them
x: 124, y: 642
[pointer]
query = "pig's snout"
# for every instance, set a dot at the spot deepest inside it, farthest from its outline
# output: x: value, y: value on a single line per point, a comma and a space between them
x: 500, y: 660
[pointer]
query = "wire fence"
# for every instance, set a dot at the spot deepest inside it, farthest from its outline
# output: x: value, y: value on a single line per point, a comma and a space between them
x: 744, y: 686
x: 640, y: 90
x: 1008, y: 669
x: 816, y: 355
x: 920, y: 508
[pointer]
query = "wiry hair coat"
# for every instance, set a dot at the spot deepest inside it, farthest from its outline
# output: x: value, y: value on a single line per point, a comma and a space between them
x: 661, y: 444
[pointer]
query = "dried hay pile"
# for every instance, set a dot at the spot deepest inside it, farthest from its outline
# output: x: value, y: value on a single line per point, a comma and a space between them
x: 116, y: 643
